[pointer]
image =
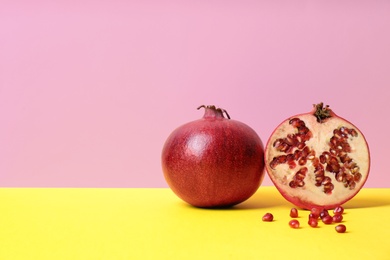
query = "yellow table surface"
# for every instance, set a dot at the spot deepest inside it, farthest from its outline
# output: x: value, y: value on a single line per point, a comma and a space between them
x: 69, y: 223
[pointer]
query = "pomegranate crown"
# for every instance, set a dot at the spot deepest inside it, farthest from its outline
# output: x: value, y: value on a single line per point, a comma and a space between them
x: 219, y: 110
x: 321, y: 112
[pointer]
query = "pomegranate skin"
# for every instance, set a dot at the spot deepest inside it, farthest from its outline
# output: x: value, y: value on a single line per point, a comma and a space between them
x: 214, y: 161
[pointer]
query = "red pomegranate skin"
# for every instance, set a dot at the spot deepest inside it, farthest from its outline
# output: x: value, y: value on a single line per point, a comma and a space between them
x: 214, y: 161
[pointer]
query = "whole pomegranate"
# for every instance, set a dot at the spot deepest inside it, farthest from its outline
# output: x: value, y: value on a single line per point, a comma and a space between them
x: 213, y: 161
x: 317, y: 159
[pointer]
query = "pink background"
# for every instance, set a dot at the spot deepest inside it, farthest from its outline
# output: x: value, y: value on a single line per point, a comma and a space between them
x: 90, y: 90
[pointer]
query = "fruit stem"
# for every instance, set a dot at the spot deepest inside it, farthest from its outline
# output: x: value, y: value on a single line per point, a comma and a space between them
x: 321, y: 112
x: 216, y: 110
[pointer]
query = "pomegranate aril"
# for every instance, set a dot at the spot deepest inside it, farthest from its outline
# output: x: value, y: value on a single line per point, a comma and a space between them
x: 305, y: 151
x: 338, y: 210
x: 346, y: 147
x: 319, y: 179
x: 339, y: 176
x: 328, y: 187
x: 278, y: 160
x: 326, y: 180
x: 284, y: 147
x: 313, y: 222
x: 353, y: 132
x: 293, y: 184
x: 323, y: 159
x: 319, y: 170
x: 355, y: 170
x: 303, y: 131
x: 302, y: 161
x: 334, y: 141
x: 294, y: 223
x: 296, y: 122
x: 311, y: 155
x: 327, y: 219
x: 337, y: 133
x: 315, y: 212
x: 357, y: 177
x: 268, y: 217
x: 291, y: 164
x: 313, y: 216
x: 297, y: 155
x: 324, y: 213
x: 294, y: 213
x: 328, y: 191
x: 316, y: 163
x: 344, y: 158
x: 334, y: 167
x: 299, y: 176
x: 291, y: 140
x: 337, y: 218
x: 340, y: 228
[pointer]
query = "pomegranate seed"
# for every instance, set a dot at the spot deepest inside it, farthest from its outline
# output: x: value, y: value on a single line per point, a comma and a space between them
x: 353, y: 132
x: 338, y: 210
x: 291, y: 164
x: 313, y: 216
x: 296, y: 122
x: 302, y: 161
x: 337, y: 218
x: 313, y: 222
x: 268, y: 217
x: 340, y: 228
x: 324, y: 213
x: 316, y: 211
x: 294, y: 223
x: 299, y: 175
x: 294, y: 213
x: 358, y: 177
x: 326, y: 180
x: 327, y: 220
x: 297, y: 154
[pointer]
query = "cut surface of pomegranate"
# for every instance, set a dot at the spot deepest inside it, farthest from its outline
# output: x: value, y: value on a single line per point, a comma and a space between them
x: 317, y: 159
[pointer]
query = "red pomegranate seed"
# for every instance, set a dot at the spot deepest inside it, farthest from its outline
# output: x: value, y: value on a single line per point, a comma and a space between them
x: 337, y: 218
x: 313, y: 222
x: 324, y: 213
x: 338, y: 210
x: 268, y: 217
x: 315, y: 211
x: 294, y: 213
x: 294, y: 223
x: 340, y: 228
x: 327, y: 220
x: 358, y: 177
x: 313, y: 216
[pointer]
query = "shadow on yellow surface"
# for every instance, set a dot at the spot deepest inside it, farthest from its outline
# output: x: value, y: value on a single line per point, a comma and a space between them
x: 261, y: 200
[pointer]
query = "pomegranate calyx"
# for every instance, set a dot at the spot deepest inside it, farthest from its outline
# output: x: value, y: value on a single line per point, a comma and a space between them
x: 321, y: 112
x: 212, y: 111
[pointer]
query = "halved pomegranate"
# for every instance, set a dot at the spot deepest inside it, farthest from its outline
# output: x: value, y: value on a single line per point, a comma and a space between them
x: 317, y: 159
